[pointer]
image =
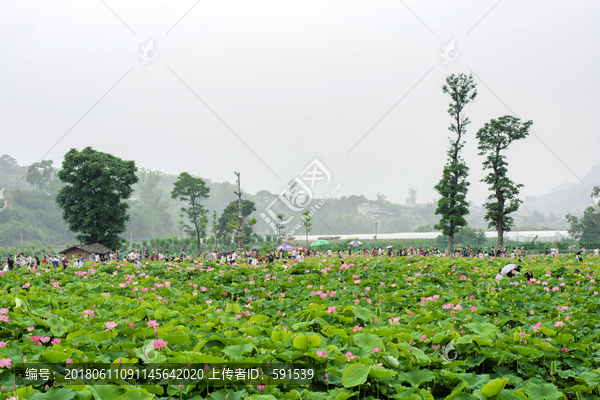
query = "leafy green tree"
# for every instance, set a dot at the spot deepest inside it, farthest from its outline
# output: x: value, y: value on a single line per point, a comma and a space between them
x: 306, y: 218
x: 495, y: 137
x: 280, y: 224
x: 215, y: 228
x: 192, y: 191
x: 424, y: 228
x: 589, y: 224
x: 228, y: 219
x: 145, y: 243
x: 412, y: 196
x: 152, y: 206
x: 40, y: 174
x: 453, y: 186
x: 94, y: 197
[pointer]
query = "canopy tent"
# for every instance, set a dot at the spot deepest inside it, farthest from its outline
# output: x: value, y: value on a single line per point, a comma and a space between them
x: 319, y: 243
x: 256, y: 247
x: 285, y: 246
x: 355, y: 243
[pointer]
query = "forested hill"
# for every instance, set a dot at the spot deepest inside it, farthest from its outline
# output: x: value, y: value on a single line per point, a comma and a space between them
x: 33, y: 214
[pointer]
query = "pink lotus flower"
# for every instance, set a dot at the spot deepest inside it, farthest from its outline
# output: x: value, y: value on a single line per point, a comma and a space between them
x: 131, y: 325
x: 376, y: 350
x: 564, y: 350
x: 152, y: 323
x: 473, y: 308
x: 3, y: 344
x: 350, y: 356
x: 45, y: 339
x: 36, y: 339
x: 4, y: 310
x: 330, y: 310
x: 322, y: 354
x: 4, y: 318
x: 30, y: 328
x: 159, y: 343
x: 559, y: 323
x: 261, y: 387
x: 5, y: 362
x: 110, y: 325
x: 356, y: 328
x: 55, y: 341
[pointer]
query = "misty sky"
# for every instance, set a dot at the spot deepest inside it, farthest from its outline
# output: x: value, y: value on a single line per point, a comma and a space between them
x: 299, y: 80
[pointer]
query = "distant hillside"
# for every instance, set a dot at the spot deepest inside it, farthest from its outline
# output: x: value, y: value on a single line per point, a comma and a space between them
x: 566, y: 198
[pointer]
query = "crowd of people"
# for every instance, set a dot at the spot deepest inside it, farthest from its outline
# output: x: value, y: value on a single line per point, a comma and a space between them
x: 255, y: 257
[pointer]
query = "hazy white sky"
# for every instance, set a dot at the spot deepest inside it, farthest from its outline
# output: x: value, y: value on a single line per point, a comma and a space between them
x: 299, y: 80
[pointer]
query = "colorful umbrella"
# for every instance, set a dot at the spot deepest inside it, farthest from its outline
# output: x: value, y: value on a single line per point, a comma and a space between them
x: 319, y: 243
x: 355, y: 243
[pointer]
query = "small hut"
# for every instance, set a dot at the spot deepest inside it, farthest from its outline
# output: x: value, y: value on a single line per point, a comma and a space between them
x: 85, y: 251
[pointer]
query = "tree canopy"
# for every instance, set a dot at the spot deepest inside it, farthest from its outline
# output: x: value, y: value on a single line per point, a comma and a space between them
x: 93, y: 199
x: 228, y: 219
x: 589, y: 224
x: 453, y: 185
x: 192, y: 191
x: 494, y: 137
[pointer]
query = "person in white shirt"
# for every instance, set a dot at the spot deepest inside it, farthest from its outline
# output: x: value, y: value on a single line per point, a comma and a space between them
x: 596, y: 252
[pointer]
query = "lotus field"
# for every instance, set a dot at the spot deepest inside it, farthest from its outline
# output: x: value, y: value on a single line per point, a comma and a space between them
x: 372, y: 328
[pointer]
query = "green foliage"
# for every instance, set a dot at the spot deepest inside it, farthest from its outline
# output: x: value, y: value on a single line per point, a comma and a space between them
x: 453, y: 185
x: 41, y: 174
x: 306, y: 221
x: 149, y: 214
x: 424, y: 228
x: 412, y: 196
x: 495, y: 137
x: 94, y: 197
x: 589, y: 224
x: 192, y: 191
x: 228, y: 219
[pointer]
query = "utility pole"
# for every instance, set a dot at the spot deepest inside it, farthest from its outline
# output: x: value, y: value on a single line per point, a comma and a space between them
x: 240, y: 230
x: 376, y: 223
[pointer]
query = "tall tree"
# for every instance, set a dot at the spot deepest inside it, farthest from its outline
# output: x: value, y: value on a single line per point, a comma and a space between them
x: 280, y: 225
x: 152, y: 198
x: 589, y: 224
x: 239, y: 224
x: 94, y: 197
x: 40, y: 174
x: 453, y: 186
x: 215, y: 229
x: 306, y: 218
x: 192, y: 191
x: 229, y: 219
x: 495, y: 137
x: 412, y: 196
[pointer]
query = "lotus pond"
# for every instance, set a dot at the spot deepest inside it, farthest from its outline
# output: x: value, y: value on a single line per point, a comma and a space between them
x: 373, y: 328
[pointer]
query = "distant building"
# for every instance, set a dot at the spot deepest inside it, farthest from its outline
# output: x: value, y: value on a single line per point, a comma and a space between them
x: 85, y: 250
x: 366, y: 208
